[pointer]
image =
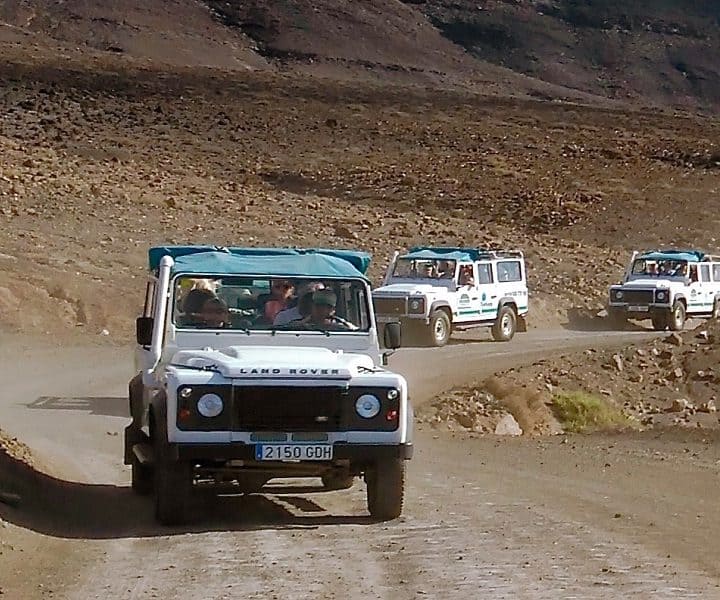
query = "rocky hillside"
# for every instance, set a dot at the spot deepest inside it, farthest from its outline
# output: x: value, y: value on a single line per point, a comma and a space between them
x: 658, y: 51
x: 651, y: 52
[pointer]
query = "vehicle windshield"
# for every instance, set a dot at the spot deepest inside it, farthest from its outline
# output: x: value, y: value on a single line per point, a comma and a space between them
x: 264, y: 303
x: 406, y: 268
x: 660, y: 268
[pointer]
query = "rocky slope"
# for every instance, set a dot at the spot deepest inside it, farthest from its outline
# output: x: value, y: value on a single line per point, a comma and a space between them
x: 661, y: 53
x: 672, y: 381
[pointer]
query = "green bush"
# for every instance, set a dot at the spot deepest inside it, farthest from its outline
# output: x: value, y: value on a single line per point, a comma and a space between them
x: 580, y: 412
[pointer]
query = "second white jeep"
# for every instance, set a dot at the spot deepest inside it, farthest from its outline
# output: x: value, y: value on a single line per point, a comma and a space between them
x: 435, y: 291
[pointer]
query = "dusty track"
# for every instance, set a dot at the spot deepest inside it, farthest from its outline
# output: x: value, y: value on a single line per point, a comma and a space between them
x: 595, y: 517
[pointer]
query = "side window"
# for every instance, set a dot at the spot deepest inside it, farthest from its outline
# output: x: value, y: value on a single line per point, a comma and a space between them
x: 716, y: 272
x: 508, y: 271
x: 705, y: 273
x: 484, y: 273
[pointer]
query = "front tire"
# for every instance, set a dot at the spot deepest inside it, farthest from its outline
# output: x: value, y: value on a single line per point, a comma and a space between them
x: 677, y: 317
x: 439, y: 329
x: 173, y: 481
x: 386, y: 489
x: 505, y: 325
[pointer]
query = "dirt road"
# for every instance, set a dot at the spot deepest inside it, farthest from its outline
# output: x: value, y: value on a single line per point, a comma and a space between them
x: 591, y: 517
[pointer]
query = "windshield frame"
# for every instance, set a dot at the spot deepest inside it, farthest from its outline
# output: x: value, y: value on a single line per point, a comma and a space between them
x: 365, y: 312
x: 455, y: 267
x: 676, y: 264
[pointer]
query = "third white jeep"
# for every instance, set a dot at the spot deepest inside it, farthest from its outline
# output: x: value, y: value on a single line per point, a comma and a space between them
x: 434, y: 291
x: 667, y: 286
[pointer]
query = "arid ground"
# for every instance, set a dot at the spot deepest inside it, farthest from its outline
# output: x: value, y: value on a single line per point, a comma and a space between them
x: 575, y: 134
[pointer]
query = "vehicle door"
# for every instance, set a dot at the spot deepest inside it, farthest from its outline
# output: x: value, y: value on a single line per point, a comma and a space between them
x: 487, y: 292
x: 466, y: 295
x: 510, y: 277
x: 706, y: 289
x: 715, y: 281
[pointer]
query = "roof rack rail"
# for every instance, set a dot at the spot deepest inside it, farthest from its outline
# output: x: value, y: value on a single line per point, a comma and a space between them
x: 499, y: 253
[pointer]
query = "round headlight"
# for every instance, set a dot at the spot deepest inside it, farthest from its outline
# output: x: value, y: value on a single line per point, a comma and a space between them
x: 367, y: 406
x: 619, y: 294
x: 392, y: 394
x: 661, y: 295
x: 415, y: 304
x: 210, y: 405
x: 186, y: 392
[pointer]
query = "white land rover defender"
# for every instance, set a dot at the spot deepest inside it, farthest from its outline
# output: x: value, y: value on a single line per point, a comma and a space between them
x: 667, y: 286
x: 237, y: 385
x: 434, y: 291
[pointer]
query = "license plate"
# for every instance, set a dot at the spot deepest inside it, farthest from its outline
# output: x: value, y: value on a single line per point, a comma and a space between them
x: 381, y: 319
x: 292, y: 452
x: 638, y: 308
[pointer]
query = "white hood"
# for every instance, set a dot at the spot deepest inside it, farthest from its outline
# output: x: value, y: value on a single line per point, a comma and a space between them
x: 406, y: 289
x: 648, y: 283
x: 275, y: 362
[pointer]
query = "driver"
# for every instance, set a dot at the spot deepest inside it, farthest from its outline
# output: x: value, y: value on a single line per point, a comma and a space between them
x: 322, y: 312
x: 214, y: 313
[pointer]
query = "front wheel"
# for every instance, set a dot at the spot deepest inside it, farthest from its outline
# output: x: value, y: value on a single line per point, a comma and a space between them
x: 173, y: 482
x: 439, y: 328
x: 386, y: 489
x: 677, y: 316
x: 505, y: 325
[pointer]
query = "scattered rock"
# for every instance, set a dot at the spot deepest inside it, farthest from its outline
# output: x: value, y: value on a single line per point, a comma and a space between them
x: 508, y: 426
x: 708, y: 407
x: 674, y: 339
x: 679, y: 405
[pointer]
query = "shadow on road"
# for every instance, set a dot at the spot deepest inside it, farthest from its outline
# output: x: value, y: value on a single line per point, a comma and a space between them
x: 583, y: 320
x: 95, y: 405
x: 73, y: 510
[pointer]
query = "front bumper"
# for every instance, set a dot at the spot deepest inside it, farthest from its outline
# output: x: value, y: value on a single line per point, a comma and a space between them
x: 636, y: 311
x: 355, y: 453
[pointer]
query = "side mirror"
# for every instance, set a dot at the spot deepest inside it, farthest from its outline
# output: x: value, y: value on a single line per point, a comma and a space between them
x: 144, y: 330
x: 392, y: 336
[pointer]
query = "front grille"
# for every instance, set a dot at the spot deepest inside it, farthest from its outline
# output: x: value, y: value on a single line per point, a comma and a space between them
x: 390, y: 306
x: 638, y: 296
x: 280, y: 408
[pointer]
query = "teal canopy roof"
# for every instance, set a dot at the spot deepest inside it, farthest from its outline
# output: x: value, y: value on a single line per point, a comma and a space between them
x: 247, y: 257
x: 430, y: 253
x: 673, y: 255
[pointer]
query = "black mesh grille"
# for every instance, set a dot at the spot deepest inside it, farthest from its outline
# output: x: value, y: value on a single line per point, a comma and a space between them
x: 390, y: 306
x: 637, y: 296
x: 289, y: 408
